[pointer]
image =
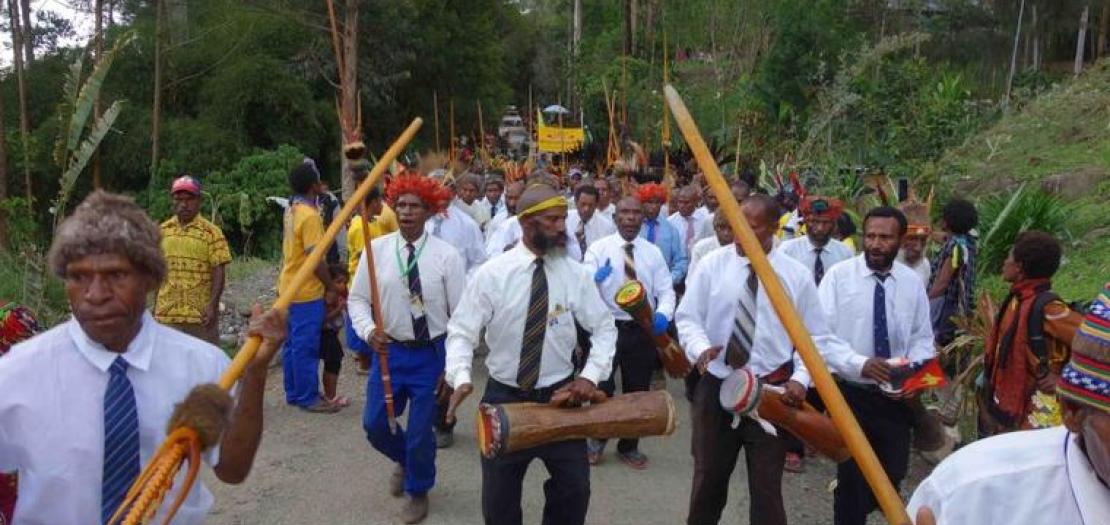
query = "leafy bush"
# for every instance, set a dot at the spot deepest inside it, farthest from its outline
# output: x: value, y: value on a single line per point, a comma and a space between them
x: 1003, y: 217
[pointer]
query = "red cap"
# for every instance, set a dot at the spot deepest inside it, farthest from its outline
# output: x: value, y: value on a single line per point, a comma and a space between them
x: 187, y: 184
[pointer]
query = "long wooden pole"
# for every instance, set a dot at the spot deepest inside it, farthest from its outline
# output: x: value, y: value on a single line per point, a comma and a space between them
x: 246, y: 353
x: 451, y: 129
x: 376, y: 312
x: 889, y: 501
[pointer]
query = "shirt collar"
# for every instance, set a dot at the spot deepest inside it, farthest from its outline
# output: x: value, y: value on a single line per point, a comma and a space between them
x: 866, y: 272
x: 138, y: 353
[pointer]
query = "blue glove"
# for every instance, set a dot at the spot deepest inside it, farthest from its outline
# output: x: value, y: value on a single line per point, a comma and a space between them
x: 659, y: 324
x: 603, y: 273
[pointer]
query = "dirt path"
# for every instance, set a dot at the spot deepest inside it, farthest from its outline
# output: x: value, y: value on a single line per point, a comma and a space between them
x: 320, y: 469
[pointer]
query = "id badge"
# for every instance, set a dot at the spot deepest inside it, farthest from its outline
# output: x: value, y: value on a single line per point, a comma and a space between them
x: 416, y: 306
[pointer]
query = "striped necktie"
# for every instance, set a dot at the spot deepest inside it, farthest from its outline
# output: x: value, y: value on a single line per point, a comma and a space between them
x: 818, y: 265
x: 580, y: 236
x: 739, y: 348
x: 878, y: 316
x: 629, y: 262
x: 121, y: 440
x: 419, y: 324
x: 535, y: 326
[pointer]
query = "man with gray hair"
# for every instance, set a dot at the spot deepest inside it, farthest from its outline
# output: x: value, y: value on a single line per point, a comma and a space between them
x: 86, y: 400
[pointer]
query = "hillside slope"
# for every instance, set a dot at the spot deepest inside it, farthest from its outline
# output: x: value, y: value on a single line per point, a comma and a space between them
x: 1060, y: 142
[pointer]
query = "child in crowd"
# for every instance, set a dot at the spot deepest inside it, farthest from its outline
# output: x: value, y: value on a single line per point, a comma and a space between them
x: 331, y: 351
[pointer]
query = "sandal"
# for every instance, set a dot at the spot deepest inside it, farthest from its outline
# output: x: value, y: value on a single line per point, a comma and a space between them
x: 339, y: 401
x: 321, y: 406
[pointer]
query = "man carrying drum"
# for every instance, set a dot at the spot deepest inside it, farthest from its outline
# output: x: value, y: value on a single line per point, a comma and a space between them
x: 530, y: 297
x: 729, y: 324
x: 615, y: 260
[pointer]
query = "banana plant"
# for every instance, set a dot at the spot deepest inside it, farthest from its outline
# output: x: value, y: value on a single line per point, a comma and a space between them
x: 74, y: 146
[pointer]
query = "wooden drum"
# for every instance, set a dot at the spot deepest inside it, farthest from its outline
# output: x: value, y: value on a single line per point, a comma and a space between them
x: 510, y: 427
x: 632, y: 298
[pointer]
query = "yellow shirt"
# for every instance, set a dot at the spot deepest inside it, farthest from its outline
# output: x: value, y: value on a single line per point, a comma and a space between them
x: 303, y: 228
x: 382, y: 224
x: 192, y: 251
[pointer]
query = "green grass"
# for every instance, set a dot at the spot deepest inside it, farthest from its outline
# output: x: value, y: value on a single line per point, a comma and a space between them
x: 12, y: 276
x: 242, y: 267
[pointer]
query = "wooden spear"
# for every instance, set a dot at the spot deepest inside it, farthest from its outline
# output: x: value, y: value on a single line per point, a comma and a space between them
x: 144, y: 498
x: 376, y: 313
x: 889, y: 501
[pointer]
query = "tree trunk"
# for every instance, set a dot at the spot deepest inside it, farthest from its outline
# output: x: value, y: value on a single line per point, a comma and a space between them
x: 98, y: 47
x: 349, y: 85
x: 24, y: 116
x: 156, y: 110
x: 1013, y: 55
x: 28, y: 32
x: 3, y: 180
x: 1103, y: 27
x: 1081, y: 40
x: 628, y: 27
x: 1035, y: 31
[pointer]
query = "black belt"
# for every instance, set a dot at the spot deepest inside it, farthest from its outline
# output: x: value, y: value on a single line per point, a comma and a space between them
x: 863, y: 387
x: 626, y: 324
x: 417, y: 343
x: 537, y: 395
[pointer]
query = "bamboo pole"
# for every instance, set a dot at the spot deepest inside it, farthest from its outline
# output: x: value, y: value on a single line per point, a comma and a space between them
x: 889, y: 501
x: 451, y: 130
x: 376, y: 312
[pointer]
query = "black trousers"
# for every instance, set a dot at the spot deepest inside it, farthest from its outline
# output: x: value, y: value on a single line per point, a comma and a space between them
x: 636, y: 357
x: 716, y: 448
x: 886, y: 423
x: 567, y: 491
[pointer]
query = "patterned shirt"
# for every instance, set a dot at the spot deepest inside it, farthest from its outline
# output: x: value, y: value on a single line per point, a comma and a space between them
x: 192, y: 251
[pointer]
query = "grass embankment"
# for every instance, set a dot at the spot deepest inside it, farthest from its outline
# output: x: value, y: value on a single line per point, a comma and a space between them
x: 1061, y: 143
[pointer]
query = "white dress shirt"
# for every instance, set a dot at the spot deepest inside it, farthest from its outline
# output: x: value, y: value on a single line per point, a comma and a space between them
x: 460, y: 231
x: 701, y: 249
x: 706, y: 314
x: 609, y: 211
x: 848, y: 296
x: 803, y: 251
x: 496, y: 221
x: 1033, y: 477
x: 497, y: 298
x: 687, y: 228
x: 922, y: 268
x: 507, y: 235
x: 474, y: 210
x: 52, y: 416
x: 487, y: 207
x: 651, y: 271
x: 441, y: 285
x: 706, y: 231
x: 597, y: 227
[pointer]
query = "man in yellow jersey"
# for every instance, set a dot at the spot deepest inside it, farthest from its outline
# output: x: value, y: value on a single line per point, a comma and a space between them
x: 382, y: 221
x: 196, y: 255
x: 303, y: 230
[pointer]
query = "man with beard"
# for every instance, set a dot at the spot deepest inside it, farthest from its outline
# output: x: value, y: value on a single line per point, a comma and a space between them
x: 196, y: 255
x: 528, y: 298
x: 1041, y: 477
x: 817, y: 250
x: 584, y: 224
x: 879, y: 307
x: 420, y: 280
x: 614, y: 260
x: 725, y: 322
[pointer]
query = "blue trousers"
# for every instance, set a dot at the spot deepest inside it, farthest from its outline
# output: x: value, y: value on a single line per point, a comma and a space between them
x: 300, y: 356
x: 354, y: 342
x: 414, y: 373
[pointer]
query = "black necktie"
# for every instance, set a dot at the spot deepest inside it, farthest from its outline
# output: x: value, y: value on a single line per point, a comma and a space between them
x: 818, y: 265
x: 580, y: 236
x: 882, y: 338
x: 739, y: 349
x: 419, y: 324
x: 535, y: 325
x: 629, y: 262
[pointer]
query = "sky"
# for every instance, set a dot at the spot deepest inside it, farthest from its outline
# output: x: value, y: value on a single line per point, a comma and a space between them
x: 82, y: 25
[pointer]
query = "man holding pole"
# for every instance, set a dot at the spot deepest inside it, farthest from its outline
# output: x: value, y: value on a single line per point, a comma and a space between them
x: 898, y: 326
x: 529, y: 298
x: 727, y: 324
x: 420, y: 279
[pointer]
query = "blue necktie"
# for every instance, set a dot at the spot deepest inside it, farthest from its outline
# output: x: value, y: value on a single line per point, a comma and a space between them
x: 651, y: 231
x: 882, y: 338
x: 121, y: 440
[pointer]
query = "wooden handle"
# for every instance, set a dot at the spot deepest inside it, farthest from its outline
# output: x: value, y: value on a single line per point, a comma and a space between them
x: 250, y: 348
x: 842, y: 416
x: 376, y: 314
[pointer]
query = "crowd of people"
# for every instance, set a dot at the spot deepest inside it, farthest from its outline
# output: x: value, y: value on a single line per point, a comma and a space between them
x: 439, y: 267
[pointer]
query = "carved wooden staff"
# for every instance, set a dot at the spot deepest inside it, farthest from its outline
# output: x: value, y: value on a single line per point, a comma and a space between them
x: 889, y: 501
x: 145, y: 496
x: 376, y: 312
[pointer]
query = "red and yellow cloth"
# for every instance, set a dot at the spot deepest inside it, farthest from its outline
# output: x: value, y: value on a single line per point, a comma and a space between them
x: 192, y: 251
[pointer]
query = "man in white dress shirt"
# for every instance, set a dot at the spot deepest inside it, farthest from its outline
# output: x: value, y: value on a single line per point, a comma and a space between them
x: 492, y: 202
x: 529, y: 298
x: 1039, y: 477
x: 87, y: 402
x: 507, y: 211
x: 817, y: 250
x: 722, y: 237
x: 689, y: 218
x: 606, y: 196
x: 468, y: 188
x: 584, y: 225
x: 615, y: 260
x: 455, y: 226
x: 740, y: 191
x: 729, y: 323
x: 879, y: 307
x: 420, y: 281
